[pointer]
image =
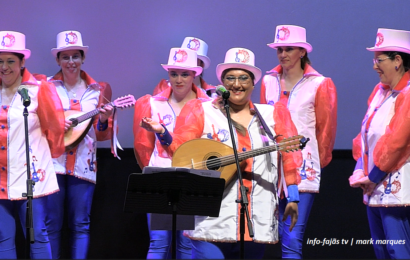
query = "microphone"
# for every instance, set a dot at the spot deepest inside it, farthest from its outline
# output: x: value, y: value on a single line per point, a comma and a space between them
x: 222, y: 91
x: 22, y: 90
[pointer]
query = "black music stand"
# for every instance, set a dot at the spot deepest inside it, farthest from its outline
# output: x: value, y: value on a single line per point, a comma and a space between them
x: 176, y: 193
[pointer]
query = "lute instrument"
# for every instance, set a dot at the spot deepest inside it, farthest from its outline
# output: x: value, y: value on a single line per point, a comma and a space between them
x: 82, y: 121
x: 213, y: 155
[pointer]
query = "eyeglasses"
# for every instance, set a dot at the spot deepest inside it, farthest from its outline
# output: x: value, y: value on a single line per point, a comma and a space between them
x: 242, y: 79
x: 378, y: 60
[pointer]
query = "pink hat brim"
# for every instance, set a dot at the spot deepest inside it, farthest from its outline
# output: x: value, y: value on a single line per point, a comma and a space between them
x: 223, y: 66
x: 304, y: 45
x: 54, y: 51
x: 389, y: 48
x: 205, y: 59
x: 25, y: 52
x: 197, y: 69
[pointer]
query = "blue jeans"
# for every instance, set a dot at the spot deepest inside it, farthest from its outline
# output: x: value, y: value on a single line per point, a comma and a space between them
x: 292, y: 241
x: 160, y: 244
x: 41, y: 247
x: 78, y: 194
x: 390, y: 225
x: 218, y: 250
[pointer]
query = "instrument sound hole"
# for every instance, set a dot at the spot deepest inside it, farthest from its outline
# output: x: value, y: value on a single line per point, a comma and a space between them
x: 213, y: 163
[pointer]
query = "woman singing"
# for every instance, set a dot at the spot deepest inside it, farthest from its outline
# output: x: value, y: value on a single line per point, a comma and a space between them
x: 46, y: 131
x: 255, y: 127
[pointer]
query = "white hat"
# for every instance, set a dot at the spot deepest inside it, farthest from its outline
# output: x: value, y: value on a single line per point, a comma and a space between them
x: 391, y: 40
x: 183, y: 58
x: 239, y: 58
x: 290, y: 35
x: 69, y: 40
x: 200, y: 47
x: 14, y: 42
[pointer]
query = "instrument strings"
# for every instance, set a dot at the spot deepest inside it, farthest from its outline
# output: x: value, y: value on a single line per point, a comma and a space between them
x: 229, y: 159
x: 92, y: 113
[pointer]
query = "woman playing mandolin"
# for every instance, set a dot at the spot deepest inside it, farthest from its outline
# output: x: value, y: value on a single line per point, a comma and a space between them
x: 260, y: 174
x: 76, y: 168
x: 166, y: 107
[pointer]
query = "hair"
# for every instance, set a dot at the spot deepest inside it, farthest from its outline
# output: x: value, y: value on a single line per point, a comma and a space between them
x: 201, y: 64
x: 20, y: 56
x: 404, y: 56
x: 239, y: 128
x: 305, y: 60
x: 81, y: 52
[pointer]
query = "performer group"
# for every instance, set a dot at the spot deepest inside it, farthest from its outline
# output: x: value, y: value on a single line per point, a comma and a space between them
x: 295, y: 100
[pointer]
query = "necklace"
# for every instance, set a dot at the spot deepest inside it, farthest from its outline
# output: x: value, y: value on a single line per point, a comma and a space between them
x: 73, y: 93
x: 73, y: 90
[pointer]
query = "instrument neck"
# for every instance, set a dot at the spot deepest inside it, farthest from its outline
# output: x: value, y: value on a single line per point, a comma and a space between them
x: 92, y: 113
x: 230, y: 159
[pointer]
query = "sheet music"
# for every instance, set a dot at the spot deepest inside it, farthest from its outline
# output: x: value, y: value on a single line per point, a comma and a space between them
x: 184, y: 222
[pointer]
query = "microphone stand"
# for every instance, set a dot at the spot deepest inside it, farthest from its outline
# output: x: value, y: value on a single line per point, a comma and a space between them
x: 29, y: 183
x: 243, y: 190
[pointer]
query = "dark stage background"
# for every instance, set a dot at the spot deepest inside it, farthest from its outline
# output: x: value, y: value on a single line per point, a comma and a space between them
x: 337, y: 213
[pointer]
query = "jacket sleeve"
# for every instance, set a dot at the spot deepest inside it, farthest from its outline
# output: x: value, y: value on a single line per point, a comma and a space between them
x: 144, y: 141
x: 357, y: 147
x: 263, y: 92
x: 357, y: 152
x: 285, y: 128
x: 51, y: 115
x: 104, y: 131
x: 393, y: 148
x: 162, y: 85
x: 326, y: 120
x: 189, y: 125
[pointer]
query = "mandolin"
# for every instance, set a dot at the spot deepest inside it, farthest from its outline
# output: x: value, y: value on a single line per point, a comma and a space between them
x: 82, y: 121
x: 213, y: 155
